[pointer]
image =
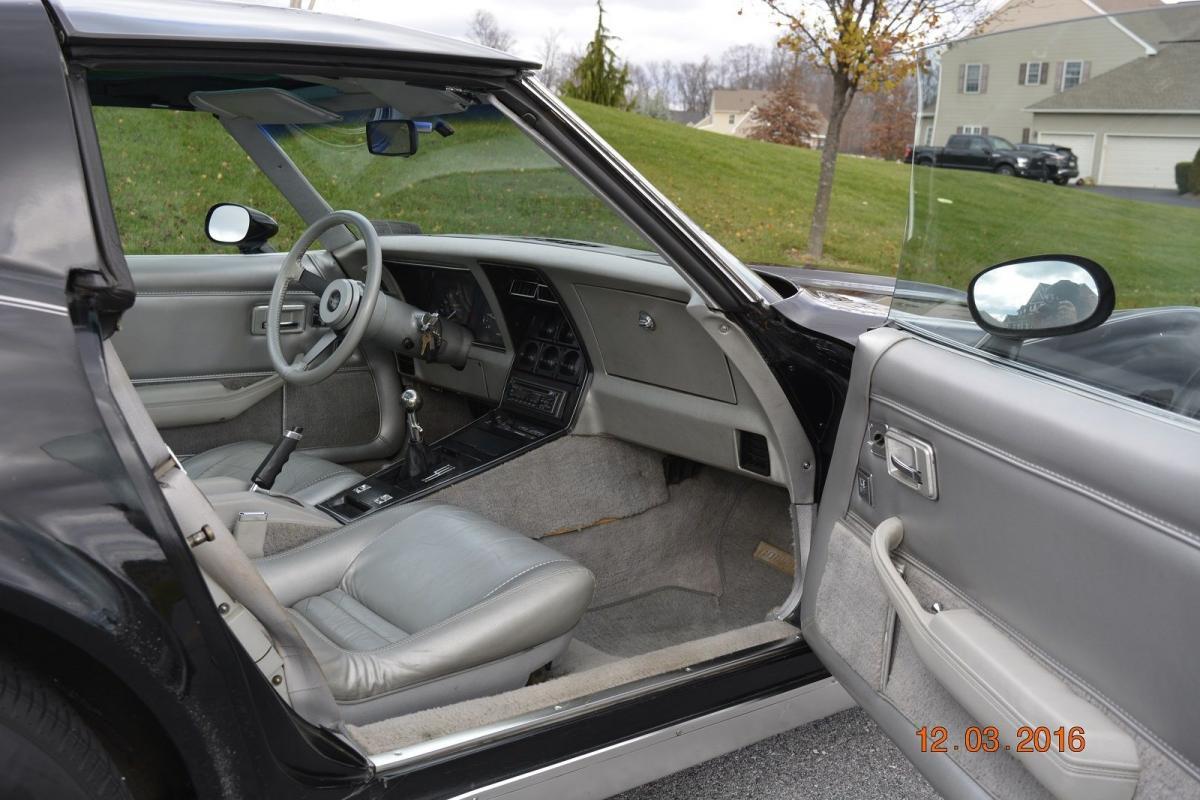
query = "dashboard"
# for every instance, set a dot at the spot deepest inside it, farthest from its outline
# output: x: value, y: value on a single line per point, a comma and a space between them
x: 594, y: 340
x: 453, y: 293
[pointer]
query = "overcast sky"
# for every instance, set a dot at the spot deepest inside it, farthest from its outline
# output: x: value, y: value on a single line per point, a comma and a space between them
x: 679, y: 30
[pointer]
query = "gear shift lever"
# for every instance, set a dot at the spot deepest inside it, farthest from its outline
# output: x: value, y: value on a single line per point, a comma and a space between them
x: 418, y: 455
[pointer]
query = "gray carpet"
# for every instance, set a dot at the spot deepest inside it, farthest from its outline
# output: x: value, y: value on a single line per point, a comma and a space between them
x: 685, y: 569
x: 842, y: 757
x: 572, y: 483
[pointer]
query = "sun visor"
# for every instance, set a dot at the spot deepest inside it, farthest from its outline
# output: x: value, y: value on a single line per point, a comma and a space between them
x: 264, y: 105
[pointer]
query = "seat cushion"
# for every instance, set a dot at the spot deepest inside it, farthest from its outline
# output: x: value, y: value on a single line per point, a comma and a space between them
x: 416, y: 594
x: 304, y: 477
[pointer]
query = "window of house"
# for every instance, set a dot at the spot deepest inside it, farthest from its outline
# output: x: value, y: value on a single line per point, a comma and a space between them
x: 929, y: 135
x: 1072, y: 74
x: 973, y: 79
x: 972, y: 129
x: 731, y: 118
x: 1033, y: 73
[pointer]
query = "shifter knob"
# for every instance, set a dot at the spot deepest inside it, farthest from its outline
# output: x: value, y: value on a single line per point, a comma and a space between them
x: 411, y: 400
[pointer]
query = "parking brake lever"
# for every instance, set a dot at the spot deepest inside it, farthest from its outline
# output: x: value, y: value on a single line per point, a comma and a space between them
x: 264, y: 477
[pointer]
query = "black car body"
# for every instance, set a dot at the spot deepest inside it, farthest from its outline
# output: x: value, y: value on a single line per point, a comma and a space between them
x: 977, y: 152
x: 118, y: 607
x: 1059, y: 163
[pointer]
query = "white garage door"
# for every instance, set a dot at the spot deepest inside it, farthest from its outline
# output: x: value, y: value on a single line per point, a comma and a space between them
x: 1082, y: 144
x: 1147, y: 161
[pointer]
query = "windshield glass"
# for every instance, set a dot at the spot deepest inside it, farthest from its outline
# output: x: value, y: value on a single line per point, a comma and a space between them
x: 474, y: 172
x: 1001, y: 144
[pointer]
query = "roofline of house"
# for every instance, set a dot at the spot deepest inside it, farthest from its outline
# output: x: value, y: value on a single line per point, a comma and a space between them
x: 1149, y: 48
x: 1102, y: 14
x: 1161, y: 111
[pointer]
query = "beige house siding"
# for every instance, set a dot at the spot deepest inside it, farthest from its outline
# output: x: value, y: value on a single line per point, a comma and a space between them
x: 726, y: 122
x: 1106, y: 125
x: 1001, y: 107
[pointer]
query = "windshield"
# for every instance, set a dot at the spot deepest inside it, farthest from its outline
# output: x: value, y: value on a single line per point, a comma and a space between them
x: 1001, y: 144
x: 474, y: 173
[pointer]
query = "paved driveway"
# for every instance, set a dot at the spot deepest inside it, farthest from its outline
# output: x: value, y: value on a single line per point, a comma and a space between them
x: 843, y: 757
x: 1168, y: 197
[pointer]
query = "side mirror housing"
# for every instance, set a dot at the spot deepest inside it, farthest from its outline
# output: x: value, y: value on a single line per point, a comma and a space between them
x: 1050, y: 295
x: 392, y: 137
x: 246, y: 228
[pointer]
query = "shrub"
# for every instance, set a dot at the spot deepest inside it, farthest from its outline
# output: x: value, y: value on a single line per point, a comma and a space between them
x: 1183, y: 176
x: 1194, y: 175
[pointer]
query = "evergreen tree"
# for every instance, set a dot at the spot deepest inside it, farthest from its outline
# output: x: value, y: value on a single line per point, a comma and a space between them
x: 599, y: 77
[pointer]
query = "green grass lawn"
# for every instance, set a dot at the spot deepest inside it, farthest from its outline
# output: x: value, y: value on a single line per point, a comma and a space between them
x: 166, y: 168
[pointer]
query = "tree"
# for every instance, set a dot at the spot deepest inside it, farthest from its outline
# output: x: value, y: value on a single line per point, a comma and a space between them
x: 694, y: 84
x: 599, y: 77
x: 743, y: 66
x: 553, y: 71
x: 487, y: 31
x: 892, y: 122
x: 862, y: 45
x: 787, y: 118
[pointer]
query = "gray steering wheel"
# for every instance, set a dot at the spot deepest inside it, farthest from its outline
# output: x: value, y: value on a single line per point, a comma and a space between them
x: 345, y: 306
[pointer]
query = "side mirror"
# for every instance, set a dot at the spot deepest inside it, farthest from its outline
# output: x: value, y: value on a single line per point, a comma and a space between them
x: 249, y: 229
x: 392, y: 137
x: 1041, y: 296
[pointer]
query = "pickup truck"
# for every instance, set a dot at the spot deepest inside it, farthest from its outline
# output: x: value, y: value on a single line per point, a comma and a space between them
x: 978, y: 152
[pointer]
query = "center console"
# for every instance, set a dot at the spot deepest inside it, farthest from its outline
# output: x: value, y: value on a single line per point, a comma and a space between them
x: 541, y: 395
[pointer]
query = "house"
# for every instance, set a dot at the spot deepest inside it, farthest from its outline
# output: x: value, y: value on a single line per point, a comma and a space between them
x: 1135, y: 122
x: 1035, y: 83
x: 685, y: 117
x: 731, y: 111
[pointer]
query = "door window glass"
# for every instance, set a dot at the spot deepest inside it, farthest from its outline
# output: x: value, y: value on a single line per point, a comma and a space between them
x: 166, y: 168
x: 1138, y: 216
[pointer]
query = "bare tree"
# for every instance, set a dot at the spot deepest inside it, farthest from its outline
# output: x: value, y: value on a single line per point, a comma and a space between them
x: 694, y: 84
x: 486, y: 30
x: 862, y: 44
x: 743, y: 66
x: 554, y: 61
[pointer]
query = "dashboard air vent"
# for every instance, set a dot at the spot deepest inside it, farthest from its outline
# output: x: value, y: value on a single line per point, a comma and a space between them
x: 527, y: 289
x: 753, y: 453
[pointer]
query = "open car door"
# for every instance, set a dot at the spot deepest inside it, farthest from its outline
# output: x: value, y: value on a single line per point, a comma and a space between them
x: 1005, y: 574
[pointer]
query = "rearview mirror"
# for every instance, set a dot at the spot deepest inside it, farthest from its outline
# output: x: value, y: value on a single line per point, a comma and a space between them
x: 392, y: 137
x: 1041, y: 296
x: 248, y: 228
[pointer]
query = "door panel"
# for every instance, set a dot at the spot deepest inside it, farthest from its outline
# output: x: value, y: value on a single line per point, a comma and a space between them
x: 190, y: 347
x: 1061, y: 532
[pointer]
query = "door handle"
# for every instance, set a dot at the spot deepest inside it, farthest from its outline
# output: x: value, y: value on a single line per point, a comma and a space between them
x: 910, y: 461
x: 292, y: 318
x: 908, y: 470
x: 1001, y: 685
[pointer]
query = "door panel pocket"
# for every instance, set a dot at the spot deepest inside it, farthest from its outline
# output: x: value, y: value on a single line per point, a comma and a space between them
x: 852, y: 611
x: 1001, y: 685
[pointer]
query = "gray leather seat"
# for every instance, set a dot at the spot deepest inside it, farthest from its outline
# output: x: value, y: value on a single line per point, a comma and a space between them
x: 427, y: 604
x: 307, y: 478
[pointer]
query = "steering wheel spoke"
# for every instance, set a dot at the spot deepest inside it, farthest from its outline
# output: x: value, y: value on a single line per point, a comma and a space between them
x: 304, y: 360
x: 312, y: 282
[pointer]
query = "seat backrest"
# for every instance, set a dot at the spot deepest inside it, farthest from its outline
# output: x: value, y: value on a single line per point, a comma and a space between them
x: 221, y: 559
